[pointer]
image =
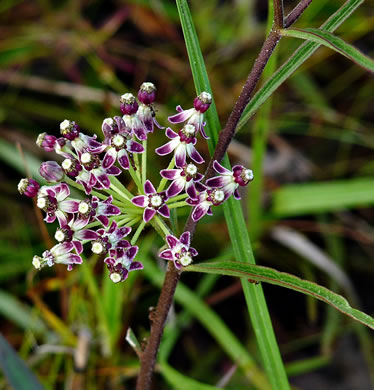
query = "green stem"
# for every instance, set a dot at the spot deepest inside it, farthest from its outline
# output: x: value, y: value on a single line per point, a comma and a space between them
x: 162, y: 225
x: 163, y: 180
x: 177, y: 204
x: 144, y: 162
x: 119, y: 185
x: 176, y: 198
x: 136, y: 160
x: 137, y: 233
x: 136, y: 179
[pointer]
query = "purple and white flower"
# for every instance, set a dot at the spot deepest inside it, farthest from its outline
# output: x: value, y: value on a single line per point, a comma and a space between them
x: 121, y: 147
x: 184, y: 178
x: 182, y: 143
x: 206, y: 199
x: 153, y: 202
x: 179, y: 251
x: 59, y: 254
x: 146, y: 113
x: 53, y: 200
x: 129, y: 107
x: 28, y: 187
x: 120, y: 263
x: 195, y: 115
x: 229, y: 181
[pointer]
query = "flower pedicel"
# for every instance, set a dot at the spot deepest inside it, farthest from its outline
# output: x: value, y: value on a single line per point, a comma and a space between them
x: 106, y: 212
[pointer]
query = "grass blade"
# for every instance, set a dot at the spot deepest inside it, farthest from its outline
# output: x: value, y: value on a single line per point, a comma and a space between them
x: 269, y: 275
x: 236, y: 224
x: 297, y: 59
x: 18, y: 374
x: 333, y: 42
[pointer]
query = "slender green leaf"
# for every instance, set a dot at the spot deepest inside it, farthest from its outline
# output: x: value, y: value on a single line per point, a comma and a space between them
x: 264, y: 274
x: 182, y: 382
x: 236, y: 224
x: 333, y: 42
x: 298, y: 199
x: 297, y: 59
x: 18, y: 374
x: 19, y: 313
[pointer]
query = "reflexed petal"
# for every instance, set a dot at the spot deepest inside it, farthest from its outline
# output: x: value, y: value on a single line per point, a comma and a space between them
x: 164, y: 211
x: 172, y: 241
x: 148, y: 188
x: 86, y: 235
x: 185, y: 239
x: 69, y: 206
x: 193, y: 252
x: 170, y: 133
x: 199, y: 211
x: 103, y: 219
x: 92, y: 180
x: 104, y: 180
x: 199, y: 176
x: 202, y: 131
x: 78, y: 247
x: 194, y: 154
x: 181, y: 116
x: 237, y: 195
x: 148, y: 214
x: 177, y: 264
x: 136, y: 265
x: 108, y: 209
x: 122, y: 232
x: 191, y: 190
x: 140, y: 200
x: 50, y: 218
x: 109, y: 158
x: 62, y: 219
x: 69, y: 258
x: 134, y: 147
x: 176, y: 187
x: 114, y: 171
x: 170, y: 174
x: 123, y: 159
x: 63, y: 248
x: 168, y: 147
x: 192, y: 202
x: 209, y: 212
x: 80, y: 223
x: 220, y: 169
x: 180, y: 155
x: 131, y: 252
x: 216, y: 182
x: 167, y: 254
x: 123, y: 244
x: 62, y: 191
x: 140, y: 133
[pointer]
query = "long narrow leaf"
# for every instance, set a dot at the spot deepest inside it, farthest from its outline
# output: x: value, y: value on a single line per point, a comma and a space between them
x: 297, y: 59
x: 264, y: 274
x: 254, y: 295
x: 333, y: 42
x: 18, y: 374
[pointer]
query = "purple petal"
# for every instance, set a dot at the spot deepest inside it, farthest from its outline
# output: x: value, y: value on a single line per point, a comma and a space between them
x: 181, y: 116
x: 69, y: 258
x: 122, y: 232
x: 193, y: 252
x: 140, y: 133
x: 237, y: 195
x: 209, y: 212
x: 108, y: 209
x: 123, y: 244
x: 69, y: 206
x: 177, y: 264
x: 114, y: 171
x: 61, y: 249
x: 202, y: 131
x: 198, y: 212
x: 185, y: 238
x: 123, y: 159
x: 136, y: 265
x: 170, y: 133
x: 62, y: 220
x: 194, y: 154
x: 109, y: 158
x: 166, y: 149
x: 134, y: 147
x: 176, y: 187
x: 140, y: 200
x: 164, y: 211
x: 180, y: 155
x: 62, y: 191
x: 104, y: 180
x: 215, y: 182
x: 172, y: 241
x: 220, y: 169
x: 92, y: 180
x: 167, y: 254
x: 78, y: 247
x: 86, y: 235
x: 170, y: 174
x: 148, y: 214
x: 191, y: 190
x: 131, y: 252
x: 103, y: 219
x: 148, y: 188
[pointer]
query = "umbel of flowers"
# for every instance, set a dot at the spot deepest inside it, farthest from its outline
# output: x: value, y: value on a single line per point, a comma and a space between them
x: 104, y: 213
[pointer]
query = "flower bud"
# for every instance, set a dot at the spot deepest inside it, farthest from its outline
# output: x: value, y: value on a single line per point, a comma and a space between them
x: 69, y: 129
x: 51, y: 171
x: 202, y: 102
x: 129, y: 105
x: 28, y: 187
x: 46, y: 142
x: 147, y: 93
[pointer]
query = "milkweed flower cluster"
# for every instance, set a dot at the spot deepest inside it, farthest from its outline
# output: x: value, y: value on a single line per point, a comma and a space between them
x: 104, y: 212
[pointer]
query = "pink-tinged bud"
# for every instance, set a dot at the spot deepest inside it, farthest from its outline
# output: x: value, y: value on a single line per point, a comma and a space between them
x: 202, y: 102
x: 69, y: 129
x: 46, y: 142
x: 129, y: 105
x: 242, y: 175
x: 28, y: 187
x: 147, y: 93
x: 51, y: 171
